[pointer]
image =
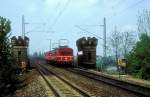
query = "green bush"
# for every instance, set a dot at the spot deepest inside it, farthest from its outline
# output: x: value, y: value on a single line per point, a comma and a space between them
x: 138, y: 61
x: 7, y: 63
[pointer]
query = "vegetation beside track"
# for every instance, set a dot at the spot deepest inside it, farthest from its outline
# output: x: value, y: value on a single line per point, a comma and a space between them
x: 139, y: 58
x: 32, y: 85
x: 7, y: 62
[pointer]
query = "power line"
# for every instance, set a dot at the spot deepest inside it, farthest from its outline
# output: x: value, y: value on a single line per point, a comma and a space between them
x: 113, y: 6
x: 129, y: 7
x: 24, y: 23
x: 60, y: 13
x: 104, y: 35
x: 50, y: 44
x: 133, y: 5
x: 119, y: 2
x: 87, y: 31
x: 57, y: 5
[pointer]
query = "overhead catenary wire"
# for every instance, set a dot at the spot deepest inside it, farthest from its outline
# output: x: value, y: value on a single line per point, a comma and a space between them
x: 60, y: 13
x: 131, y: 6
x: 87, y: 31
x: 126, y: 9
x: 114, y: 6
x: 119, y: 2
x: 58, y: 5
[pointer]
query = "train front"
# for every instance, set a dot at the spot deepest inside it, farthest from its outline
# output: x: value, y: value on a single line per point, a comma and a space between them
x: 64, y: 56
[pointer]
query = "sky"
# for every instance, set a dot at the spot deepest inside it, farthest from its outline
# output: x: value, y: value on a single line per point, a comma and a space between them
x: 57, y: 19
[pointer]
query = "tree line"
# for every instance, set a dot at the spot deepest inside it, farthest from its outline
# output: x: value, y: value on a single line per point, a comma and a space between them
x: 136, y: 51
x: 8, y: 65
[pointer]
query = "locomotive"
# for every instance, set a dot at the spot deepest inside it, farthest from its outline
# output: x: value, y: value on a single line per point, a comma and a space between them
x: 60, y: 56
x: 49, y: 57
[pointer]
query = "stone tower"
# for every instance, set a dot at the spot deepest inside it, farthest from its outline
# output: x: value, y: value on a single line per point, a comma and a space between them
x: 20, y: 50
x: 87, y: 52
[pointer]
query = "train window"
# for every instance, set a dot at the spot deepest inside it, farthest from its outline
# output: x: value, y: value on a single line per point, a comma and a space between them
x: 66, y: 53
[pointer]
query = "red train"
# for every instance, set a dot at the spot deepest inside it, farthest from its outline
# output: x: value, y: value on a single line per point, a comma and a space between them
x: 60, y: 56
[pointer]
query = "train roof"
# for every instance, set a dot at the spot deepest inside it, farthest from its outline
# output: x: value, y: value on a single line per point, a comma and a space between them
x: 60, y: 47
x: 63, y: 48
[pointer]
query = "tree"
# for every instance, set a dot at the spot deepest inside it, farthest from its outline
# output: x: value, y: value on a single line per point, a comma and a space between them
x: 128, y: 42
x: 143, y: 22
x: 7, y: 67
x: 139, y: 58
x: 115, y: 42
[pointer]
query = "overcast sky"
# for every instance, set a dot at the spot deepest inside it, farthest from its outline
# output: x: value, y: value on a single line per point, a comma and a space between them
x: 61, y: 16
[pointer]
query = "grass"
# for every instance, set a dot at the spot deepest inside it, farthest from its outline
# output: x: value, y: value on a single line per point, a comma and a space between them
x: 8, y: 90
x: 111, y: 72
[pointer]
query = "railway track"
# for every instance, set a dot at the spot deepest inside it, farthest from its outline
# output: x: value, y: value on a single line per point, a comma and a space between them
x: 60, y: 86
x: 140, y: 90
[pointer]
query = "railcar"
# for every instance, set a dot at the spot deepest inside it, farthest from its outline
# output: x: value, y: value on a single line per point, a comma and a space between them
x: 64, y: 56
x: 48, y: 57
x: 60, y: 56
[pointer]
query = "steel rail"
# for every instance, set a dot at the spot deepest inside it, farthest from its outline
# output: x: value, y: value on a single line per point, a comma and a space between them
x: 137, y: 89
x: 84, y: 93
x: 51, y: 87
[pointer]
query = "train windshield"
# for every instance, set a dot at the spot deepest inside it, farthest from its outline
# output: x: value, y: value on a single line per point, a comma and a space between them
x: 66, y: 53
